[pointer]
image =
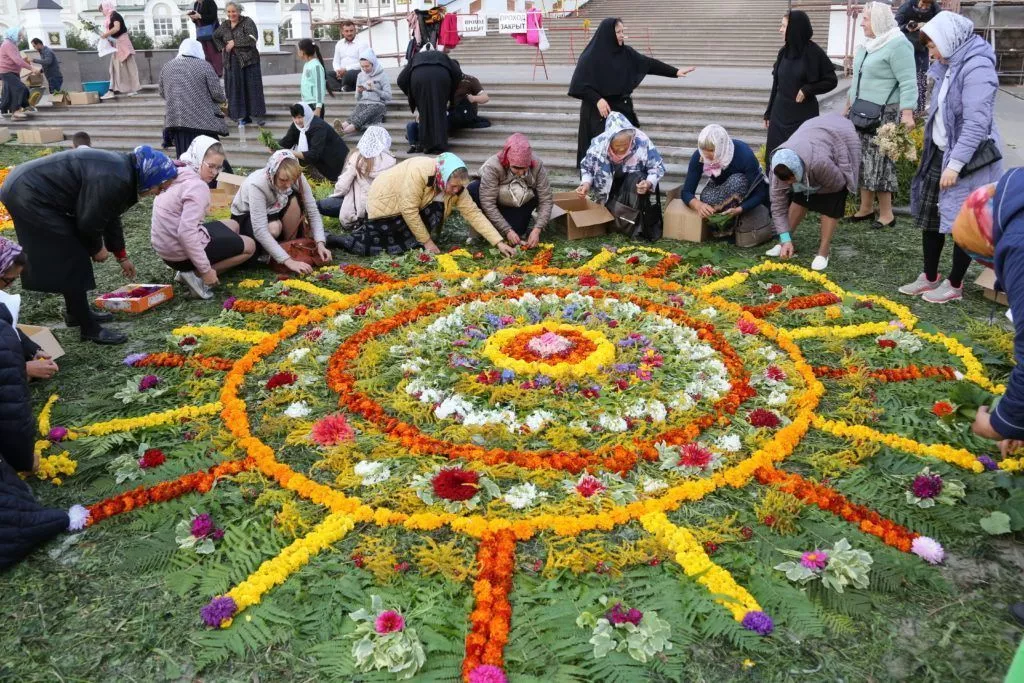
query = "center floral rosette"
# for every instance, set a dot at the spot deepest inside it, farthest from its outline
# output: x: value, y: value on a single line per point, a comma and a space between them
x: 556, y: 351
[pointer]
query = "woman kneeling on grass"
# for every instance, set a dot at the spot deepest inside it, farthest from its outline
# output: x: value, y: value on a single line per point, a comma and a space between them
x: 270, y: 207
x: 197, y: 251
x: 412, y: 200
x: 348, y: 203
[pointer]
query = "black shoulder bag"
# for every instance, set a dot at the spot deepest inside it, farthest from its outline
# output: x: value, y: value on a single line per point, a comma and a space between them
x: 867, y: 116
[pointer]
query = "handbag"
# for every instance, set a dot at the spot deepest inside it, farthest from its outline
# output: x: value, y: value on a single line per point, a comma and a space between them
x: 303, y: 250
x: 867, y: 116
x: 987, y: 154
x: 635, y: 215
x: 754, y: 227
x: 205, y: 32
x: 515, y: 193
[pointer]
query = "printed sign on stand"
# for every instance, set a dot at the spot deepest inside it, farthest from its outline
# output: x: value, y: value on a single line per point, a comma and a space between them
x: 512, y: 22
x: 472, y: 24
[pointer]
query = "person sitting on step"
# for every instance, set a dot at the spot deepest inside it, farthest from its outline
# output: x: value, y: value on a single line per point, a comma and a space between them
x: 314, y: 142
x: 814, y: 170
x: 512, y: 185
x: 270, y: 206
x: 734, y: 184
x: 348, y: 203
x: 373, y: 93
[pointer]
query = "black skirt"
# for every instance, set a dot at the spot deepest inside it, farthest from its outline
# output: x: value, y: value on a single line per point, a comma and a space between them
x: 831, y: 204
x: 430, y: 85
x: 390, y: 235
x: 224, y: 244
x: 592, y: 123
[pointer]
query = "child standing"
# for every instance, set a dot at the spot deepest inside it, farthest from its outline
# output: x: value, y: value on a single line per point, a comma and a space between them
x: 314, y: 77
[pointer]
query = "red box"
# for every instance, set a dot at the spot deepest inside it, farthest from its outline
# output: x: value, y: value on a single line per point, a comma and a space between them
x: 135, y: 304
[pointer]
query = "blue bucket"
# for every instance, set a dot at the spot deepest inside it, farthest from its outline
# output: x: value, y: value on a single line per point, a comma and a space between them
x: 100, y: 87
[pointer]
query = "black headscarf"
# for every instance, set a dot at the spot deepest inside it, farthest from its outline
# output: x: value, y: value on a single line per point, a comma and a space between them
x: 798, y: 34
x: 607, y: 68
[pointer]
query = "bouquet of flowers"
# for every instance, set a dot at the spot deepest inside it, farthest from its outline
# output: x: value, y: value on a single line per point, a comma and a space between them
x: 896, y: 142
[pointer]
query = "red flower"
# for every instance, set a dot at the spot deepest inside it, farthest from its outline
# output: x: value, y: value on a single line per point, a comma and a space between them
x: 710, y: 548
x: 360, y: 309
x: 424, y: 257
x: 747, y: 533
x: 774, y: 289
x: 478, y: 254
x: 314, y: 334
x: 707, y: 271
x: 401, y: 567
x: 633, y: 260
x: 745, y: 326
x: 588, y: 281
x: 153, y: 457
x: 589, y: 485
x: 332, y: 430
x: 775, y: 373
x: 455, y: 483
x: 281, y: 379
x: 694, y: 455
x: 942, y: 408
x: 512, y: 281
x: 759, y: 417
x: 188, y: 341
x: 359, y: 561
x: 887, y: 343
x: 769, y: 520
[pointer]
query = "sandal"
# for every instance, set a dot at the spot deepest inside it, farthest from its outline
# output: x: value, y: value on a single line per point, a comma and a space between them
x: 854, y: 218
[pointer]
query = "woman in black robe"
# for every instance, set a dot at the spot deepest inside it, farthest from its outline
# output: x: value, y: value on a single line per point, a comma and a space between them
x: 67, y: 211
x: 430, y: 81
x: 605, y: 77
x: 802, y: 71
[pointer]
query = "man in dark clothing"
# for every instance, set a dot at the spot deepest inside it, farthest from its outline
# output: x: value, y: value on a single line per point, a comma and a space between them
x: 469, y: 95
x: 51, y: 67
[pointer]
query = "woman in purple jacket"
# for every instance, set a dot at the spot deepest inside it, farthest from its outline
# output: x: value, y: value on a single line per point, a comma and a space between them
x: 960, y: 138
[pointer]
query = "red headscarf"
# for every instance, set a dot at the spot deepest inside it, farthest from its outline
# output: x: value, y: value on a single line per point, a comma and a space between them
x: 517, y: 152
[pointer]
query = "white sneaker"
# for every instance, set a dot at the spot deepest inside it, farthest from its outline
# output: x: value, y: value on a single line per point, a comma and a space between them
x: 943, y: 294
x: 131, y: 94
x: 921, y: 285
x: 774, y: 251
x: 195, y: 283
x: 108, y: 96
x: 819, y: 263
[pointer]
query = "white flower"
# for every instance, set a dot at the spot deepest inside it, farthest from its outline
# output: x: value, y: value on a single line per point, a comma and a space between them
x: 778, y: 398
x: 342, y: 319
x: 490, y: 278
x: 928, y: 549
x: 298, y: 354
x: 682, y: 401
x: 468, y: 283
x: 523, y: 496
x: 709, y: 312
x: 298, y: 410
x: 768, y: 352
x: 612, y: 423
x: 372, y: 472
x: 413, y: 366
x: 651, y: 485
x: 537, y: 419
x: 730, y: 443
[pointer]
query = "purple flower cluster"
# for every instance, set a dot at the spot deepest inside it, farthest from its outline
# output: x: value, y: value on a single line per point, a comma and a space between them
x: 148, y: 382
x: 758, y: 622
x: 202, y: 526
x: 988, y: 463
x: 926, y: 486
x: 229, y: 303
x: 619, y: 615
x: 57, y: 434
x: 132, y: 358
x: 634, y: 340
x: 218, y: 611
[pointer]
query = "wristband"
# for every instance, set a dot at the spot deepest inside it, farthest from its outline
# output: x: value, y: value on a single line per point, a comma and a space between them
x: 121, y: 254
x: 784, y: 238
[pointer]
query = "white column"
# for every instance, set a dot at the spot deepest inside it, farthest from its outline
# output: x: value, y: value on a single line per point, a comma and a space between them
x: 267, y: 15
x: 302, y: 25
x: 41, y: 19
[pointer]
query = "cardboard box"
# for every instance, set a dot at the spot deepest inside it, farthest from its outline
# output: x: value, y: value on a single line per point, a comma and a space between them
x: 79, y: 98
x: 40, y: 136
x: 60, y: 99
x: 987, y: 281
x: 44, y: 338
x: 138, y: 304
x: 580, y: 217
x: 683, y: 223
x: 5, y: 135
x: 227, y: 188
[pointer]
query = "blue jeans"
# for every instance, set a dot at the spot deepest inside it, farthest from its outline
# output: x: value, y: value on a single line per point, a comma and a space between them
x: 55, y: 83
x: 331, y: 206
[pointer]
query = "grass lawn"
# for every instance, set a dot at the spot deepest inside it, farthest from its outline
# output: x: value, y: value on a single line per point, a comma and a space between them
x: 120, y: 602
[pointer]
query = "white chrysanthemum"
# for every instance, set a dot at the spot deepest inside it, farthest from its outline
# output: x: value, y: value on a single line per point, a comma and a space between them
x: 372, y: 472
x: 342, y: 319
x: 710, y: 312
x: 681, y: 401
x: 651, y: 485
x: 537, y: 419
x: 489, y: 278
x: 413, y: 366
x: 730, y: 443
x: 298, y: 354
x: 298, y: 410
x: 468, y: 283
x: 768, y: 352
x: 613, y: 423
x: 523, y: 496
x: 778, y: 398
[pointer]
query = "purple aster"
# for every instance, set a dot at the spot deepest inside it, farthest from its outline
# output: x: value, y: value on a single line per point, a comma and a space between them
x: 218, y: 534
x: 569, y: 312
x: 507, y: 376
x: 229, y: 303
x: 814, y: 559
x: 202, y: 525
x: 758, y: 622
x: 988, y: 462
x: 493, y: 320
x: 534, y: 315
x: 926, y: 485
x: 148, y: 382
x: 133, y: 358
x: 218, y: 611
x: 57, y: 434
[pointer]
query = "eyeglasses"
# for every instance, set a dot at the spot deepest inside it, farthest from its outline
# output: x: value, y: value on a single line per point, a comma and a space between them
x: 213, y: 167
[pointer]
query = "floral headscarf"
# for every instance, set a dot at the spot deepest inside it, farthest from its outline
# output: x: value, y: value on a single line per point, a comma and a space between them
x: 275, y: 163
x: 197, y: 151
x: 598, y: 166
x: 376, y: 140
x: 973, y: 227
x: 517, y: 152
x: 154, y: 167
x: 447, y: 163
x: 8, y: 252
x: 949, y: 31
x: 716, y: 138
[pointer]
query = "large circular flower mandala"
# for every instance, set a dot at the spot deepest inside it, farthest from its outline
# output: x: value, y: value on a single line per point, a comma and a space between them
x: 525, y: 401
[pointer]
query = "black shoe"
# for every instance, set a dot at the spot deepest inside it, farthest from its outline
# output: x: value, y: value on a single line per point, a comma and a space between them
x: 334, y: 242
x: 105, y: 336
x: 415, y: 149
x: 99, y: 316
x: 878, y: 225
x: 1017, y: 611
x: 854, y: 218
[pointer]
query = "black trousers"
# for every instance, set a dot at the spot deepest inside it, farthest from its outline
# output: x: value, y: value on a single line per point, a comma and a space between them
x: 347, y: 83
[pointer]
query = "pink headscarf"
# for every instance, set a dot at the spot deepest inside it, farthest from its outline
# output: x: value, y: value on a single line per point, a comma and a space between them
x: 8, y: 252
x: 108, y: 7
x: 517, y: 152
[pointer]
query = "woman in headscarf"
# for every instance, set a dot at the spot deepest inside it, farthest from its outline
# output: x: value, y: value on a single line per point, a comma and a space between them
x: 67, y: 212
x: 961, y: 125
x: 429, y: 81
x: 911, y: 16
x: 14, y: 100
x: 348, y: 203
x: 198, y: 252
x: 802, y: 71
x: 314, y: 142
x: 243, y: 77
x: 373, y: 93
x: 735, y: 183
x: 606, y: 75
x: 38, y: 365
x: 124, y: 73
x: 193, y: 94
x: 620, y: 155
x: 412, y: 200
x: 513, y: 184
x: 883, y: 74
x: 270, y: 207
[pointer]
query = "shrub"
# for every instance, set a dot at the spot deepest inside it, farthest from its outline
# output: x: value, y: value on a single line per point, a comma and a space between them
x: 78, y: 41
x: 140, y: 41
x: 174, y: 42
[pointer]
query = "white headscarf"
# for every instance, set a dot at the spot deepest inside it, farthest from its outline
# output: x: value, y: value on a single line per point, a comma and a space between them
x: 197, y: 151
x: 883, y: 24
x: 374, y: 142
x: 307, y: 121
x: 715, y: 137
x: 949, y: 31
x: 190, y: 47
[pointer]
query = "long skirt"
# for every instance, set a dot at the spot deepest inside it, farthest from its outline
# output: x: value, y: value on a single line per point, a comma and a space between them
x: 928, y: 218
x: 430, y: 85
x: 245, y: 91
x: 367, y: 114
x: 922, y: 93
x: 124, y: 76
x: 592, y: 123
x: 877, y: 171
x: 15, y: 95
x: 213, y: 56
x: 390, y: 235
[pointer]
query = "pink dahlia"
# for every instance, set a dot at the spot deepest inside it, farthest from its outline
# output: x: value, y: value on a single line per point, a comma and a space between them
x: 389, y: 622
x: 487, y: 673
x: 928, y: 549
x: 332, y: 430
x: 57, y: 434
x: 589, y: 485
x: 694, y: 455
x: 745, y: 326
x: 814, y: 559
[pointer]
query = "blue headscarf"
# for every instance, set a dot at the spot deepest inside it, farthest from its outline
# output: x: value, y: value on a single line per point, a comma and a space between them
x: 154, y: 167
x: 13, y: 33
x: 790, y: 159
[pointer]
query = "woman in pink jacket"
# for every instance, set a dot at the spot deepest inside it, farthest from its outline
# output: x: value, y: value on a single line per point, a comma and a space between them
x: 198, y: 251
x: 348, y: 203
